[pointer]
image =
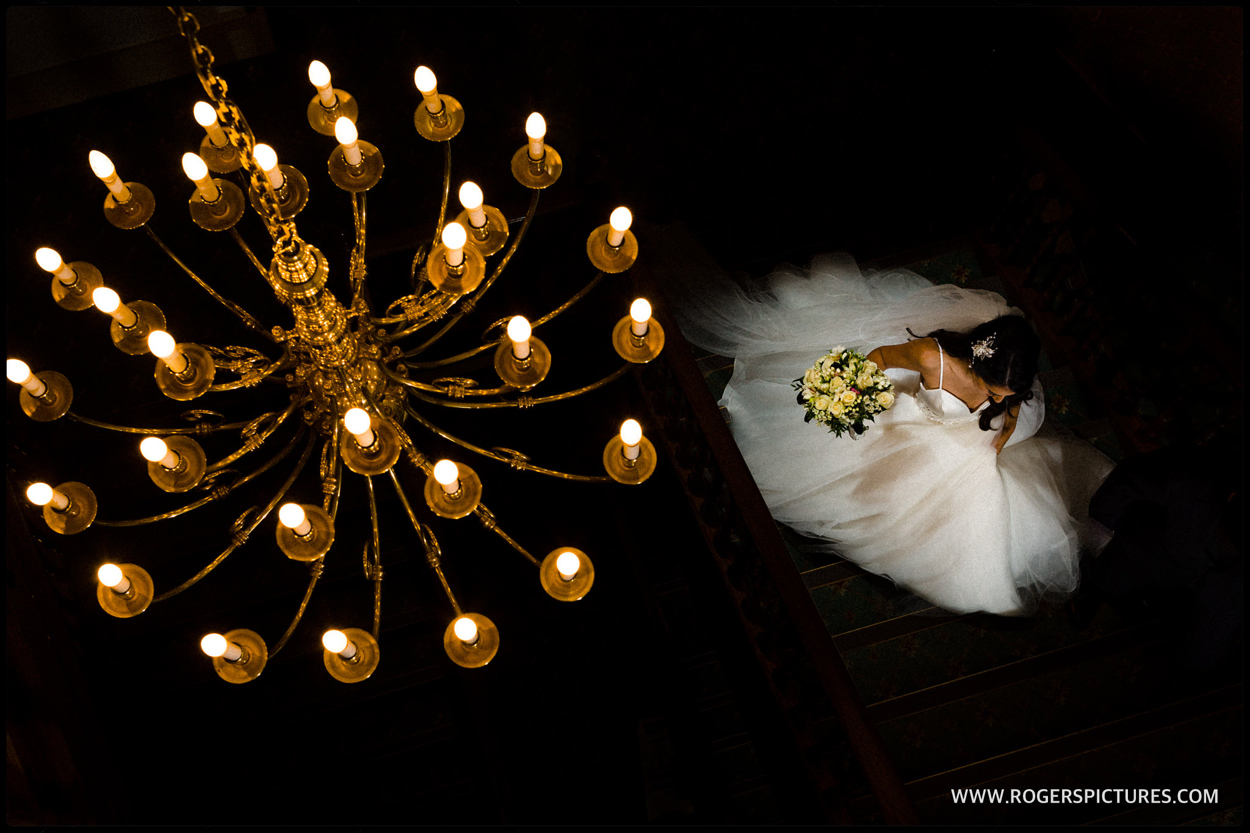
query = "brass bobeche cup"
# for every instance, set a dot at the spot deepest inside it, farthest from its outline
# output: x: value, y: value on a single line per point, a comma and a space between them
x: 480, y: 652
x: 134, y: 601
x: 607, y: 258
x: 78, y: 515
x: 192, y: 464
x: 55, y: 401
x: 456, y: 280
x: 557, y: 586
x: 362, y: 664
x: 356, y: 178
x: 135, y: 211
x: 491, y: 237
x: 322, y: 118
x: 223, y: 213
x: 623, y: 470
x: 250, y: 665
x: 193, y: 381
x: 637, y: 349
x: 133, y: 340
x: 220, y: 160
x: 315, y: 544
x: 460, y: 504
x: 440, y: 126
x: 522, y: 374
x: 77, y: 296
x: 377, y: 458
x: 292, y: 196
x: 537, y: 174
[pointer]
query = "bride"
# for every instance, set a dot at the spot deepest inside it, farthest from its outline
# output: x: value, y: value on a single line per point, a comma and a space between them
x: 954, y: 493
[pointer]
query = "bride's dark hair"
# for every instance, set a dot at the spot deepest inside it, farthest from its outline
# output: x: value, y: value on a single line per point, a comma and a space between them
x: 1013, y: 365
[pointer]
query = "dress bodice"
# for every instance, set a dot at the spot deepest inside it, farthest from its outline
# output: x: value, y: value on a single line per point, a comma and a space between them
x: 941, y: 405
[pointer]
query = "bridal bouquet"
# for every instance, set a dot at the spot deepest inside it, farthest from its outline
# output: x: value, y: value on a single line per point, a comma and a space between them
x: 842, y: 390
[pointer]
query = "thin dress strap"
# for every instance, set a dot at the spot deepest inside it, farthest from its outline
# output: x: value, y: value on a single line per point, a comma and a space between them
x: 942, y: 366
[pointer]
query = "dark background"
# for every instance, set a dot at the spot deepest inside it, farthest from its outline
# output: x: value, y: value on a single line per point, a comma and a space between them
x: 772, y: 133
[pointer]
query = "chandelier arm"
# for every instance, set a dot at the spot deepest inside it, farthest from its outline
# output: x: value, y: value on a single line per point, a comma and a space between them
x: 488, y: 520
x: 332, y: 487
x: 523, y: 402
x: 243, y: 315
x: 200, y: 428
x: 250, y: 379
x: 438, y: 308
x: 356, y: 270
x: 468, y: 354
x: 515, y: 461
x: 315, y: 567
x: 254, y: 440
x: 442, y: 209
x: 433, y: 554
x: 247, y: 250
x: 241, y: 535
x: 373, y: 569
x: 585, y: 290
x: 481, y: 290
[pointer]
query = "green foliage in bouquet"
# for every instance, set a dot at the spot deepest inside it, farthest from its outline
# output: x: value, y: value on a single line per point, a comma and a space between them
x: 843, y: 390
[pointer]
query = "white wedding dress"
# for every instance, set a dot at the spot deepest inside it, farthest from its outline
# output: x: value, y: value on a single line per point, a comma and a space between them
x: 921, y: 498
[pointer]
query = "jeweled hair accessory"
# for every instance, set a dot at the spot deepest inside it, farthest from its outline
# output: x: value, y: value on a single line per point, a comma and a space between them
x: 984, y: 348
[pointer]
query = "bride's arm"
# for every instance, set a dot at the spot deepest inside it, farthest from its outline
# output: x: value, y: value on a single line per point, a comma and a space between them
x: 920, y: 355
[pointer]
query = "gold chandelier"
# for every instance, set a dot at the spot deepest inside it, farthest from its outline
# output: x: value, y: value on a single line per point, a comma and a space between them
x: 345, y: 367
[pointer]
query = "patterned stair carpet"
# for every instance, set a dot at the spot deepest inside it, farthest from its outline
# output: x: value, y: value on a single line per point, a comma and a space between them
x: 981, y: 702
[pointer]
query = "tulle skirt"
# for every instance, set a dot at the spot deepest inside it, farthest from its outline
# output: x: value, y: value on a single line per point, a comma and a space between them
x: 926, y: 503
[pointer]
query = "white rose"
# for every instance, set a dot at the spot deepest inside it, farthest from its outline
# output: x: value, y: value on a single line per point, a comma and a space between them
x: 822, y: 403
x: 885, y: 399
x: 870, y: 366
x: 849, y: 397
x: 836, y: 409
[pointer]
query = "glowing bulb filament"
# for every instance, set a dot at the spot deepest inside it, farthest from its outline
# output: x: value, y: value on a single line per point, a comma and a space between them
x: 631, y: 436
x: 535, y: 130
x: 102, y: 167
x: 640, y: 315
x: 19, y: 374
x: 49, y: 260
x: 319, y: 75
x: 567, y: 564
x: 519, y: 332
x: 428, y: 85
x: 466, y: 630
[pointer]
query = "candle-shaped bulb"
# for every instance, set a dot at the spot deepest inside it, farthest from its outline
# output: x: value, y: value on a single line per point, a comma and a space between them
x: 567, y: 563
x: 466, y: 630
x: 334, y: 641
x: 292, y: 515
x: 193, y: 166
x: 470, y: 196
x: 519, y: 331
x: 454, y: 238
x: 536, y: 129
x: 205, y: 115
x: 319, y: 74
x: 110, y: 575
x: 357, y: 421
x: 101, y: 165
x: 267, y: 158
x: 195, y: 169
x: 49, y: 260
x: 153, y: 449
x: 447, y: 474
x: 428, y: 85
x: 106, y: 300
x: 39, y: 494
x: 619, y: 223
x: 345, y: 131
x: 18, y: 371
x: 161, y: 344
x: 631, y: 432
x: 425, y: 80
x: 214, y: 644
x: 640, y: 310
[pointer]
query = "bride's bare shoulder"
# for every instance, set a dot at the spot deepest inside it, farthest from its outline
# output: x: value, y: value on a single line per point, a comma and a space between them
x: 919, y: 354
